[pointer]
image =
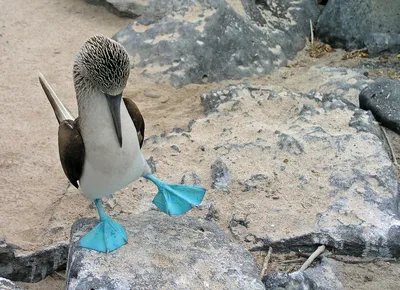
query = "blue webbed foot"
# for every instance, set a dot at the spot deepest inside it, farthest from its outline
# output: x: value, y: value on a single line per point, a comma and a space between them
x: 107, y: 236
x: 176, y: 199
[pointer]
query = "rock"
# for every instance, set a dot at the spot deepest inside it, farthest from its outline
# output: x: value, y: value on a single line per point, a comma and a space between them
x: 152, y: 164
x: 31, y: 267
x: 289, y: 281
x: 212, y: 213
x: 352, y: 24
x: 123, y: 8
x: 334, y: 83
x: 378, y: 43
x: 334, y: 185
x: 198, y: 41
x: 175, y: 148
x: 364, y: 121
x: 323, y: 277
x: 308, y: 110
x: 290, y: 144
x: 382, y: 98
x: 220, y: 175
x: 260, y: 181
x: 190, y: 178
x: 163, y: 253
x: 6, y: 284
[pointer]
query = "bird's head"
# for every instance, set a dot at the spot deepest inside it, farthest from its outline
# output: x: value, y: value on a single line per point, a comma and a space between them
x: 102, y: 66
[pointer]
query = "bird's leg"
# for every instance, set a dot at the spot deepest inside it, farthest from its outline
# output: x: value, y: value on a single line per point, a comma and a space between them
x: 176, y: 199
x: 107, y: 236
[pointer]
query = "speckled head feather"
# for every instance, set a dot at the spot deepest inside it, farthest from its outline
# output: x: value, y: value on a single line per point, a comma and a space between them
x: 101, y: 64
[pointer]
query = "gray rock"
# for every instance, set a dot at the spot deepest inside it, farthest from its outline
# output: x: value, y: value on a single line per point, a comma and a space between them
x: 340, y: 82
x: 190, y: 178
x: 352, y: 24
x: 378, y: 43
x: 221, y: 177
x: 6, y: 284
x: 123, y: 8
x: 211, y: 102
x: 382, y: 98
x: 212, y: 213
x: 163, y: 253
x: 31, y: 267
x: 260, y: 181
x: 289, y: 281
x: 308, y: 110
x: 152, y: 164
x: 201, y: 41
x: 289, y: 144
x: 175, y: 148
x: 324, y: 276
x: 364, y: 121
x: 334, y: 158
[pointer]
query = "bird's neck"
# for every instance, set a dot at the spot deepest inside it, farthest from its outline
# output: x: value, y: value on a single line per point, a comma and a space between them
x: 95, y: 119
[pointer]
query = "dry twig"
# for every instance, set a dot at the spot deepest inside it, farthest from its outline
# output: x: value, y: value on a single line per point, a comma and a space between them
x: 292, y: 261
x: 266, y: 261
x: 390, y: 147
x: 348, y: 259
x: 312, y: 34
x: 355, y: 260
x: 314, y: 255
x: 59, y: 275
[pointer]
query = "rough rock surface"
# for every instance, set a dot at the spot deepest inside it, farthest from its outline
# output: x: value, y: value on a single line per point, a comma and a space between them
x: 352, y: 24
x: 382, y: 42
x: 6, y: 284
x: 289, y: 281
x: 184, y: 42
x: 163, y: 253
x: 31, y: 267
x: 322, y: 277
x: 305, y: 169
x: 382, y: 98
x: 123, y: 8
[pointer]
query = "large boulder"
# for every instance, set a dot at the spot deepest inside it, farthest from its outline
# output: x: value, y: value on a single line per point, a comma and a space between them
x: 123, y: 8
x: 6, y: 284
x: 353, y: 24
x: 31, y: 267
x: 325, y: 276
x: 382, y: 98
x: 197, y: 41
x: 304, y: 169
x: 163, y: 252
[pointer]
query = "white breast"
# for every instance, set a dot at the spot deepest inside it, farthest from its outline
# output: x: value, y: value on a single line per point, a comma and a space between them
x: 108, y: 167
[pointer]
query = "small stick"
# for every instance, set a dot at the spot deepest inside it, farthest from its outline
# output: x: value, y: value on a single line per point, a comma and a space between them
x: 312, y: 34
x: 314, y: 255
x: 390, y: 147
x: 292, y: 261
x: 355, y: 260
x: 301, y: 254
x: 266, y: 261
x: 59, y: 275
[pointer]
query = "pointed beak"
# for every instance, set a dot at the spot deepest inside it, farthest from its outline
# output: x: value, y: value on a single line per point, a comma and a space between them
x: 114, y: 103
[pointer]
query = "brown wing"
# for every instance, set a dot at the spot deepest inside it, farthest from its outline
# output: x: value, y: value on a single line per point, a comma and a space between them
x: 71, y: 149
x: 137, y: 119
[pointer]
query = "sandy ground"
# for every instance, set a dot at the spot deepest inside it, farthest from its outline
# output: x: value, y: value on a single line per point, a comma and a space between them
x: 37, y: 208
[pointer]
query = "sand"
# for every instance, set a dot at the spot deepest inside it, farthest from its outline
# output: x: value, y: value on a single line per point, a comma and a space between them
x: 37, y: 208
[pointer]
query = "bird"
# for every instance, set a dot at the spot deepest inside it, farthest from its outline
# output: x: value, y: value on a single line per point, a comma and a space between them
x: 100, y: 150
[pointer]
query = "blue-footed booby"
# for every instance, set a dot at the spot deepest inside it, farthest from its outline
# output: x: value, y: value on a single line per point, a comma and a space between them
x: 100, y: 150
